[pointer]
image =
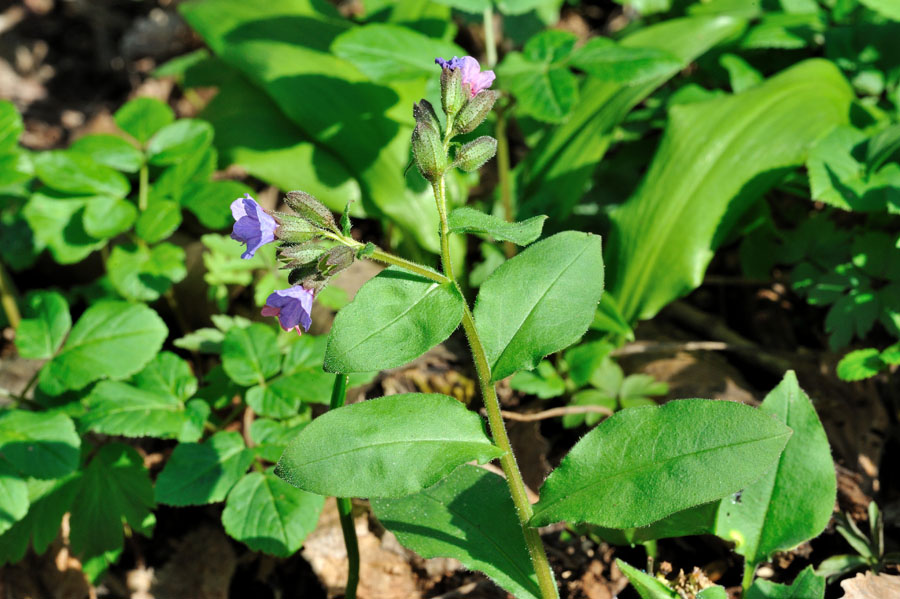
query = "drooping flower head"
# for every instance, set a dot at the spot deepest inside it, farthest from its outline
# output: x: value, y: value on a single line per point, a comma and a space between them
x: 292, y: 306
x: 471, y: 72
x: 252, y: 225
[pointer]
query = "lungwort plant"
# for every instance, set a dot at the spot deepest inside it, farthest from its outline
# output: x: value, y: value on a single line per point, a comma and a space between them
x: 413, y: 454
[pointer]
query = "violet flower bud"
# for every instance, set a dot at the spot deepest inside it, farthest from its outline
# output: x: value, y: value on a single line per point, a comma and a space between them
x: 253, y: 225
x: 292, y: 306
x: 471, y: 73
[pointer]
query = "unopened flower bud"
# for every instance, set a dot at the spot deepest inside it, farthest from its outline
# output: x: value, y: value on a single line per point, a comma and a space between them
x: 474, y: 154
x: 425, y: 115
x: 298, y: 254
x: 428, y: 151
x: 337, y: 259
x: 475, y: 111
x: 311, y: 209
x: 453, y: 97
x: 295, y: 229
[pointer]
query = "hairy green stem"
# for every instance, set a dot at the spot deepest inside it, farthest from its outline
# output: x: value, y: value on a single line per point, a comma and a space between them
x: 8, y: 299
x: 749, y: 571
x: 498, y: 429
x: 490, y: 46
x: 143, y: 185
x: 345, y: 505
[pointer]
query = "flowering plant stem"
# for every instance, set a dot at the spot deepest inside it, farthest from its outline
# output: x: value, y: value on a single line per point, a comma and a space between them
x: 8, y: 299
x: 345, y: 505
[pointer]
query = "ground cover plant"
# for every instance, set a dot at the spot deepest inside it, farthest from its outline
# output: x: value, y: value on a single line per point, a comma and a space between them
x: 537, y: 207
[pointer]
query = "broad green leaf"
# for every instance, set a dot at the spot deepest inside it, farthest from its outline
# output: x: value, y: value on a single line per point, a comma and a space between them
x: 76, y: 173
x: 647, y: 586
x: 741, y: 74
x: 302, y: 380
x: 543, y: 381
x: 475, y: 7
x: 211, y: 201
x: 792, y: 502
x: 608, y: 61
x: 141, y: 273
x: 142, y: 117
x: 690, y: 451
x: 158, y: 221
x: 395, y: 317
x: 111, y: 151
x: 713, y: 592
x: 49, y: 501
x: 199, y: 473
x: 589, y: 397
x: 15, y: 167
x: 44, y: 325
x: 882, y: 146
x: 838, y: 565
x: 176, y: 180
x: 716, y: 158
x: 272, y: 437
x: 39, y: 444
x: 115, y: 487
x: 860, y: 364
x: 11, y: 127
x: 116, y: 408
x: 205, y: 340
x: 807, y: 585
x: 540, y: 301
x: 698, y: 520
x: 167, y: 373
x: 468, y: 516
x: 179, y: 140
x: 835, y: 174
x: 539, y: 78
x: 110, y: 340
x: 56, y: 223
x: 469, y: 220
x: 555, y: 175
x: 281, y: 518
x: 388, y: 53
x: 250, y: 355
x: 106, y: 217
x: 887, y: 8
x: 385, y: 447
x: 13, y: 497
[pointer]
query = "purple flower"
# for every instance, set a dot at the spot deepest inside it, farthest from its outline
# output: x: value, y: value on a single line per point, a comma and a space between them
x: 253, y: 225
x: 292, y: 307
x: 472, y: 74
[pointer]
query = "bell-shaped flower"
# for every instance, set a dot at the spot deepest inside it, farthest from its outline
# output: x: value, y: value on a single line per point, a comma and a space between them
x: 472, y: 75
x: 292, y: 306
x: 252, y: 225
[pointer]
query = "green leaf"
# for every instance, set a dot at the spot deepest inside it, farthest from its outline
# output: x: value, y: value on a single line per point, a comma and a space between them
x: 11, y: 127
x: 860, y: 364
x: 540, y: 301
x: 111, y: 151
x: 115, y: 487
x: 386, y: 447
x: 663, y: 237
x: 696, y: 451
x: 110, y: 340
x: 106, y: 217
x: 200, y: 473
x: 882, y: 146
x: 50, y: 500
x: 807, y: 585
x: 142, y: 117
x: 543, y: 382
x: 387, y: 53
x: 647, y: 586
x: 210, y: 201
x: 792, y: 502
x: 282, y: 516
x: 469, y: 220
x: 468, y: 516
x: 838, y: 565
x: 39, y: 444
x: 887, y: 8
x: 608, y: 61
x: 116, y: 408
x: 178, y: 141
x: 698, y: 520
x: 394, y: 318
x: 302, y: 380
x: 56, y: 223
x: 13, y: 497
x: 169, y: 374
x: 835, y: 175
x: 740, y: 73
x: 76, y: 173
x: 205, y: 341
x: 713, y: 592
x: 589, y: 397
x: 44, y: 326
x: 158, y: 221
x: 141, y: 273
x: 539, y: 78
x: 250, y: 354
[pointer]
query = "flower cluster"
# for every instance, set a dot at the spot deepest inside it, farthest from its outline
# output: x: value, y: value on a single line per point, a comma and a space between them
x: 471, y: 74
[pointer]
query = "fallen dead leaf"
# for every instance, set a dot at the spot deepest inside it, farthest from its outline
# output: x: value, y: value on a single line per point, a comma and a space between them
x: 871, y: 586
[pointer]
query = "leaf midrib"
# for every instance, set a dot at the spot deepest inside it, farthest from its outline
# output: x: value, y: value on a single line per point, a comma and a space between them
x: 404, y: 442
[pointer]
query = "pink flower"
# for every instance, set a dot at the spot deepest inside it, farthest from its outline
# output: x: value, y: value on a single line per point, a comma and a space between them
x: 472, y: 75
x: 292, y: 306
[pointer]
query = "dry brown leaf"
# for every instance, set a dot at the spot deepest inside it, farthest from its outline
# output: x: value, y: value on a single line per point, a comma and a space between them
x: 871, y: 586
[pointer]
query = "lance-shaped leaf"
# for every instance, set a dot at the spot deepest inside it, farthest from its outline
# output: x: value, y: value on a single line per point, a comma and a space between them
x: 385, y: 447
x: 792, y: 502
x: 469, y: 516
x: 199, y: 473
x: 45, y: 325
x: 469, y: 220
x: 647, y: 586
x: 110, y: 340
x: 643, y: 464
x: 39, y: 444
x: 540, y: 301
x: 269, y: 515
x: 395, y: 317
